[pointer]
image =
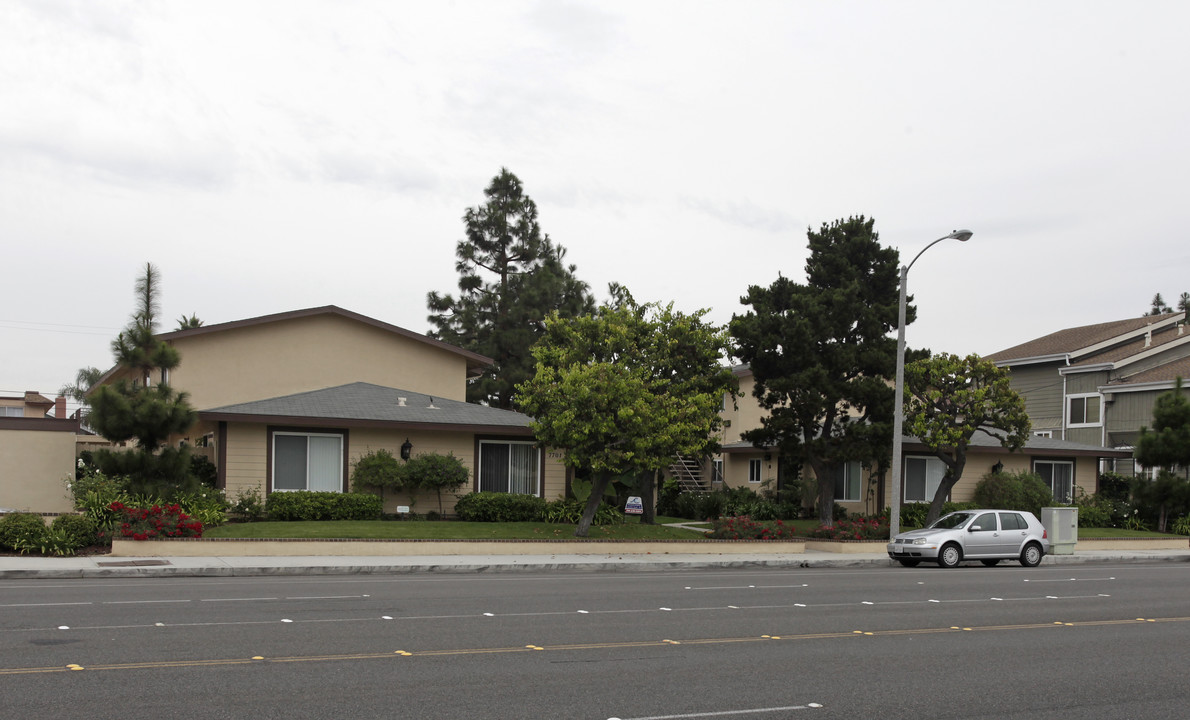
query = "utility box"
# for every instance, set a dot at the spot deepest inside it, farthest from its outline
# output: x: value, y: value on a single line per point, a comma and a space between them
x: 1061, y: 523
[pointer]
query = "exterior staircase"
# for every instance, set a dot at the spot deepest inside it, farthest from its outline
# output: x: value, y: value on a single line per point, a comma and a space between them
x: 688, y: 472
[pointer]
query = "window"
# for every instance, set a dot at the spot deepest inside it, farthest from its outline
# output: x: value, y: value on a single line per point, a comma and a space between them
x: 1083, y: 410
x: 923, y: 475
x: 307, y: 461
x: 754, y: 471
x: 717, y: 470
x: 1013, y: 521
x: 509, y: 467
x: 847, y: 482
x: 9, y: 411
x: 1043, y: 433
x: 985, y: 523
x: 1059, y: 476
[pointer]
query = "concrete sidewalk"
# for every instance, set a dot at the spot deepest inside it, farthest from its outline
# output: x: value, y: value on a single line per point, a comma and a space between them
x: 106, y: 566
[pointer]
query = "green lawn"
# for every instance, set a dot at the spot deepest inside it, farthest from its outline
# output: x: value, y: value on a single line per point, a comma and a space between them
x: 447, y: 530
x: 457, y: 530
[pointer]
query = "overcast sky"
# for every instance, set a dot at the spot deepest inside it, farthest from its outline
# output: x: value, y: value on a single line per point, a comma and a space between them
x: 271, y: 156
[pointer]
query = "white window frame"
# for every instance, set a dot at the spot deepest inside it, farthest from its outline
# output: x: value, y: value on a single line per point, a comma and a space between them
x: 1043, y: 433
x: 1070, y: 423
x: 338, y: 481
x: 935, y: 470
x: 11, y: 411
x: 717, y: 470
x: 535, y: 481
x: 1068, y: 496
x: 850, y: 481
x: 754, y: 470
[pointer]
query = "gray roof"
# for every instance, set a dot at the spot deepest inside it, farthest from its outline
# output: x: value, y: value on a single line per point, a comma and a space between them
x: 365, y: 404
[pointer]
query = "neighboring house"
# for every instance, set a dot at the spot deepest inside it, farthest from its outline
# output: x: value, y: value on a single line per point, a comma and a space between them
x: 1097, y: 384
x: 37, y: 453
x: 1065, y: 465
x: 290, y: 401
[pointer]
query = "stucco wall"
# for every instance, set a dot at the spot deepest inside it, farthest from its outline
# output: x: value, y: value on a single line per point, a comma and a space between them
x: 269, y: 360
x: 33, y: 467
x: 247, y: 462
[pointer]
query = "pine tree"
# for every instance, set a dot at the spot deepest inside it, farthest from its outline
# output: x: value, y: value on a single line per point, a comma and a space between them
x: 511, y: 276
x: 140, y: 405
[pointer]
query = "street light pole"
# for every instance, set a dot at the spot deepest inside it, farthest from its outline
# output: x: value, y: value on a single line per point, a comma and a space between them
x: 894, y: 517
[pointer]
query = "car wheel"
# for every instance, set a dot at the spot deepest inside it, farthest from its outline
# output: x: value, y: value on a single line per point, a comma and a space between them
x: 1031, y: 555
x: 910, y: 563
x: 950, y: 556
x: 991, y: 563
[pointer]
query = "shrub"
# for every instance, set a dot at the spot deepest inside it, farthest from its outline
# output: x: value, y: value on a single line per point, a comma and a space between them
x: 1014, y: 491
x: 379, y: 470
x: 432, y: 471
x: 1114, y: 486
x: 499, y: 507
x: 208, y: 506
x: 745, y: 528
x: 17, y: 529
x: 858, y: 528
x: 156, y: 522
x: 311, y: 505
x: 248, y: 505
x: 204, y: 471
x: 80, y: 530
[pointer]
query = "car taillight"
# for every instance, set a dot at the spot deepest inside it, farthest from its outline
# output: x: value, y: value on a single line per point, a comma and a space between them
x: 1044, y: 534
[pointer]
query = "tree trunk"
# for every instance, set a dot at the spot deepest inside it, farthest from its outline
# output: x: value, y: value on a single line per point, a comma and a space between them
x: 598, y: 486
x: 953, y: 473
x: 645, y: 484
x: 826, y: 502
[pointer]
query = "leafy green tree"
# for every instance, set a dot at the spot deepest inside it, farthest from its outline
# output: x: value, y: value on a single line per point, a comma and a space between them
x: 511, y: 276
x: 626, y: 390
x: 949, y: 400
x: 137, y: 407
x: 437, y: 472
x: 1167, y: 446
x: 1184, y: 302
x: 821, y: 355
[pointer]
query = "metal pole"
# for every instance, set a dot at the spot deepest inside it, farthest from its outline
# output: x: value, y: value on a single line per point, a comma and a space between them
x: 894, y: 517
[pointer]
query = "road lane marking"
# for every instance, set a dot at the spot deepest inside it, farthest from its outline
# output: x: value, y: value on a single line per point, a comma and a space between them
x: 724, y: 713
x: 780, y: 637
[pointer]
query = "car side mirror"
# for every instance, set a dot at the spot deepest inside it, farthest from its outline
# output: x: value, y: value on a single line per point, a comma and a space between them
x: 973, y: 528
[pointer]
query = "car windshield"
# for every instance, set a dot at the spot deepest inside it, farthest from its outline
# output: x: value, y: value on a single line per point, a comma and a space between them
x: 951, y: 521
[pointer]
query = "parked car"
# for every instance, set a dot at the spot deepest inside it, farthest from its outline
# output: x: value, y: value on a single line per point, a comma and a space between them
x: 985, y: 535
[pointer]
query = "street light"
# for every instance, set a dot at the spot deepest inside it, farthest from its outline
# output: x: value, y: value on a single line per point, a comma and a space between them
x: 894, y: 517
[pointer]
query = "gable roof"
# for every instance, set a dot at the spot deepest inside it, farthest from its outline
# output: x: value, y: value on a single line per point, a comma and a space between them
x: 475, y: 361
x: 366, y: 405
x: 1084, y: 340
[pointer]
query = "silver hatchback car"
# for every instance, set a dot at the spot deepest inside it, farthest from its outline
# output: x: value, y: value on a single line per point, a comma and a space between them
x: 985, y: 535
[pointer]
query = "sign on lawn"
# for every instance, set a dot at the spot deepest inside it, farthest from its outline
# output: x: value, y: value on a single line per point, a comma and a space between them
x: 634, y: 506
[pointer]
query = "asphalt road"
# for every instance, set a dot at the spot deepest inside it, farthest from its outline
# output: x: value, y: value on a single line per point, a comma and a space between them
x: 1087, y: 641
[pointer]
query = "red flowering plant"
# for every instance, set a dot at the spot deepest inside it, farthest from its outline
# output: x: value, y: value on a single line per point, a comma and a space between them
x: 860, y: 528
x: 158, y: 521
x: 745, y: 528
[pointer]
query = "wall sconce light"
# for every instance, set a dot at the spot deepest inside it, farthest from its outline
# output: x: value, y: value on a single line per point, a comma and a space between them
x: 997, y: 468
x: 406, y: 448
x: 768, y: 457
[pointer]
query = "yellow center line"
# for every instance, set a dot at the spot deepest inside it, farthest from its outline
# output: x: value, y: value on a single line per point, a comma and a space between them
x: 778, y: 637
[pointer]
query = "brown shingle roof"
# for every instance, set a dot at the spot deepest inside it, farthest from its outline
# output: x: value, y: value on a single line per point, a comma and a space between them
x: 1074, y: 339
x: 1168, y: 372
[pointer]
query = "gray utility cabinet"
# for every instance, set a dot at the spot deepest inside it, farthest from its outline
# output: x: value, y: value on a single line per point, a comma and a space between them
x: 1061, y: 523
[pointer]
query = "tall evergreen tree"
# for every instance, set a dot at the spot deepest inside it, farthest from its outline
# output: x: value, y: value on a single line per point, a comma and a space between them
x: 822, y: 356
x: 511, y: 276
x: 1166, y: 445
x: 140, y: 405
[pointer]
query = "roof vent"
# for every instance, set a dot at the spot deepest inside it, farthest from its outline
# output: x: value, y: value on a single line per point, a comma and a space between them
x: 1149, y: 339
x: 400, y: 402
x: 431, y: 406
